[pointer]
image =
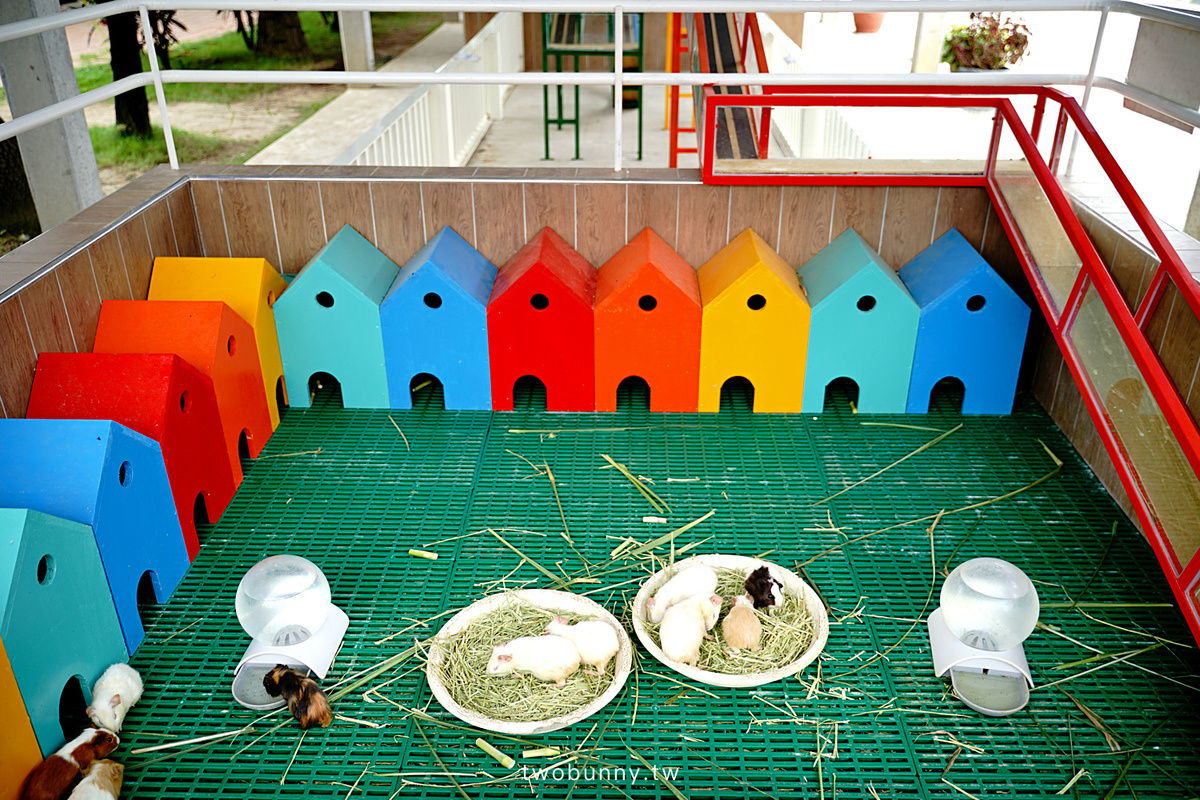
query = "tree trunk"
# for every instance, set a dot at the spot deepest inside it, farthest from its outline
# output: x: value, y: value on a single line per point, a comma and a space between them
x: 133, y: 112
x: 280, y: 34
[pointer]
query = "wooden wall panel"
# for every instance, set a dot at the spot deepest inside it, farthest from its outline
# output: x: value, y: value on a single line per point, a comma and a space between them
x: 550, y: 205
x: 757, y: 208
x: 601, y: 230
x: 965, y: 208
x: 654, y: 206
x: 159, y: 230
x: 16, y: 368
x: 703, y: 222
x: 807, y: 211
x: 108, y: 265
x: 860, y: 208
x: 1178, y: 344
x: 183, y: 221
x: 908, y: 224
x: 450, y: 204
x: 348, y: 203
x: 499, y: 232
x: 249, y: 220
x: 398, y: 225
x: 210, y: 219
x: 46, y: 314
x: 998, y: 251
x: 139, y: 260
x: 299, y: 222
x: 82, y: 298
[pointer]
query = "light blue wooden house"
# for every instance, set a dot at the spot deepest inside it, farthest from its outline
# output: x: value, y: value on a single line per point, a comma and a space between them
x: 864, y: 327
x: 973, y: 327
x: 328, y: 321
x: 57, y: 619
x: 434, y: 321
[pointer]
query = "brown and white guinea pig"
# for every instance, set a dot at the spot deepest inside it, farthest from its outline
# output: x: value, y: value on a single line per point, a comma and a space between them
x: 304, y: 697
x: 764, y: 587
x: 55, y: 777
x: 101, y: 781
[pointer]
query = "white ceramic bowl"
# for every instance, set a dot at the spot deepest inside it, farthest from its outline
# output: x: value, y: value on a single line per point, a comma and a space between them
x: 551, y: 601
x: 792, y: 586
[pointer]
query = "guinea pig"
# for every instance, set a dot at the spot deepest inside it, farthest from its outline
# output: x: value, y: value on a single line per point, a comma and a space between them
x: 547, y: 658
x: 54, y: 778
x: 698, y: 579
x: 764, y: 587
x: 113, y: 695
x: 305, y: 699
x: 101, y: 781
x: 685, y: 625
x: 595, y: 640
x: 741, y: 628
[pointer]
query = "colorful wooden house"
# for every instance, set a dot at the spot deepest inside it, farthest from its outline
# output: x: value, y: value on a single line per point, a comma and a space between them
x: 106, y: 476
x: 434, y: 322
x: 647, y: 319
x: 864, y: 326
x: 755, y: 326
x: 539, y: 319
x: 57, y: 618
x: 250, y: 286
x: 972, y: 328
x: 160, y: 396
x: 328, y: 322
x: 213, y: 339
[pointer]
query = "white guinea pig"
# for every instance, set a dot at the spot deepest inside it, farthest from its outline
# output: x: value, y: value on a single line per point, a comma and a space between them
x: 547, y: 658
x: 698, y: 579
x: 685, y: 625
x: 595, y: 640
x: 113, y: 695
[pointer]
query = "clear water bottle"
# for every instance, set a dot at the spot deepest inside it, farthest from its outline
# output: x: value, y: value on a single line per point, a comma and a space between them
x: 989, y: 604
x: 283, y: 600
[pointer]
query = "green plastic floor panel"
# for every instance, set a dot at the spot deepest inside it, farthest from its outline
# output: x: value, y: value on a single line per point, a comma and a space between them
x: 353, y: 490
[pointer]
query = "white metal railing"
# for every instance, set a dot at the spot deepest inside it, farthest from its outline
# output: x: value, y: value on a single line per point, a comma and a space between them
x: 618, y: 78
x: 441, y: 126
x: 805, y: 132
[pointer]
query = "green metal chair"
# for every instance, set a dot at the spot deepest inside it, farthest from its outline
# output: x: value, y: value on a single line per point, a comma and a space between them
x: 576, y: 36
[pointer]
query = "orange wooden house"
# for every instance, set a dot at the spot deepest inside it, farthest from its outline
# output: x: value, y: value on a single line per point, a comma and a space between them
x: 648, y: 325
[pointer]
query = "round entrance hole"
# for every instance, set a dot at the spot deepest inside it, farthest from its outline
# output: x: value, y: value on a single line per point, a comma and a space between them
x: 539, y: 301
x: 976, y: 302
x: 647, y: 302
x: 865, y: 303
x: 756, y: 302
x: 325, y: 299
x: 433, y: 300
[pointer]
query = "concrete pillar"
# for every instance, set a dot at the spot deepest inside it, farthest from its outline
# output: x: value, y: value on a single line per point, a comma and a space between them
x: 1192, y: 226
x: 358, y: 47
x: 37, y: 72
x: 927, y: 44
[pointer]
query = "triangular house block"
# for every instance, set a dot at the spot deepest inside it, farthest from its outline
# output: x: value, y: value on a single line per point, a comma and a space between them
x: 973, y: 327
x: 328, y: 321
x: 647, y: 320
x: 250, y: 286
x: 213, y: 339
x: 434, y: 320
x: 19, y: 748
x: 159, y: 396
x: 57, y: 618
x: 101, y: 474
x: 864, y: 326
x: 755, y: 326
x: 540, y: 324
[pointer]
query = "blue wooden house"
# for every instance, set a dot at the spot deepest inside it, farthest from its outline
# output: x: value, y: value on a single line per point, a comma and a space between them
x: 434, y: 322
x: 864, y: 326
x: 973, y: 327
x: 328, y: 322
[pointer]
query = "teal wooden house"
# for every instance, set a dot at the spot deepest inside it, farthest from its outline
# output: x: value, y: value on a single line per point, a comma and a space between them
x: 434, y: 320
x: 973, y: 327
x: 328, y: 322
x: 57, y: 618
x: 864, y: 327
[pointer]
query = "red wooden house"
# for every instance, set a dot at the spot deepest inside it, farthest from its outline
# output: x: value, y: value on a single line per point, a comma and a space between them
x: 539, y: 320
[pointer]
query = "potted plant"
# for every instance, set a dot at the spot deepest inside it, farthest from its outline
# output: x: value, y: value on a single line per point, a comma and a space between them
x: 988, y: 42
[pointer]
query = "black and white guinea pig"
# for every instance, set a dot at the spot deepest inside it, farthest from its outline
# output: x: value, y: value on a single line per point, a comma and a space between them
x: 764, y: 587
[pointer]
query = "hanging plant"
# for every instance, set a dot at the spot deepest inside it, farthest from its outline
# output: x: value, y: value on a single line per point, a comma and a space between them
x: 988, y: 42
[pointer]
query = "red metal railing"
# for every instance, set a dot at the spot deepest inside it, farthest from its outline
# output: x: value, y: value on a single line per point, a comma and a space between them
x: 1092, y: 280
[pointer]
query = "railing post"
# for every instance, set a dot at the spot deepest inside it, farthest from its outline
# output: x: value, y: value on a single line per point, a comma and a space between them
x: 152, y: 54
x: 1087, y: 84
x: 618, y: 83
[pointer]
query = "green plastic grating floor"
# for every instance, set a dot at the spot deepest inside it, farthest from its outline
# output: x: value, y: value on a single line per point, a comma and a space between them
x: 882, y: 727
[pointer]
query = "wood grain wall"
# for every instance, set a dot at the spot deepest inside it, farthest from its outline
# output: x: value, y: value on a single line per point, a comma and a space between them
x: 287, y: 214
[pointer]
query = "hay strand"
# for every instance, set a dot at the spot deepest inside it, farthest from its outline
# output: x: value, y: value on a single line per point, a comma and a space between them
x: 505, y: 760
x: 407, y: 446
x: 659, y: 504
x: 895, y: 463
